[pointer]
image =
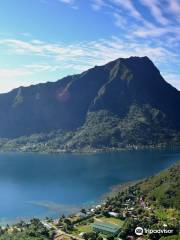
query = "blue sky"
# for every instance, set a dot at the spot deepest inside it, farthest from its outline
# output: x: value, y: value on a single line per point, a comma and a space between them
x: 44, y: 40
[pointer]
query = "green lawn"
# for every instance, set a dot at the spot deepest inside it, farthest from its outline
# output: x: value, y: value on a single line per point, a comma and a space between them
x: 84, y: 228
x: 81, y: 228
x: 111, y: 220
x: 87, y: 227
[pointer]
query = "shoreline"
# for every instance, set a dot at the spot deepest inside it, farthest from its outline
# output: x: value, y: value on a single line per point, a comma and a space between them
x: 94, y: 151
x: 113, y: 190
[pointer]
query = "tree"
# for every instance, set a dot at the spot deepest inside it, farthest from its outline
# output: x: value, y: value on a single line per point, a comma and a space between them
x: 128, y: 228
x: 83, y: 210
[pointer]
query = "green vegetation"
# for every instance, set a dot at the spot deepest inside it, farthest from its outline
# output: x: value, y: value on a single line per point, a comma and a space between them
x: 83, y: 228
x: 139, y: 204
x: 123, y: 104
x: 102, y: 130
x: 152, y: 204
x: 25, y: 231
x: 170, y: 238
x: 163, y: 190
x: 111, y: 220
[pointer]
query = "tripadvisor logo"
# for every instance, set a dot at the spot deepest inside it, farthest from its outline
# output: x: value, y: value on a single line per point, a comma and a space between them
x: 139, y: 231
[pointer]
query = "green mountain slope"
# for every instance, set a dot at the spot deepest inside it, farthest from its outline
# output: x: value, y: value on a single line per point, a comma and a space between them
x: 163, y: 189
x: 123, y: 103
x: 153, y: 203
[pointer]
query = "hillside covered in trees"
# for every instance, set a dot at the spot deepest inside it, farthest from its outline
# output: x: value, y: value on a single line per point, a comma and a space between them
x: 125, y: 103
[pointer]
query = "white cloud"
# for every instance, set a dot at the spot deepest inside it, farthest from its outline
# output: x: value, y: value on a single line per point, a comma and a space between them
x: 8, y: 85
x: 76, y: 51
x: 120, y: 21
x: 10, y: 73
x: 150, y: 30
x: 80, y: 56
x: 155, y: 10
x: 10, y: 78
x: 26, y: 70
x: 174, y: 8
x: 26, y: 34
x: 67, y: 1
x: 141, y: 26
x: 98, y: 4
x: 70, y: 3
x: 128, y: 5
x: 173, y: 78
x: 43, y: 67
x: 158, y: 40
x: 40, y: 48
x: 21, y: 46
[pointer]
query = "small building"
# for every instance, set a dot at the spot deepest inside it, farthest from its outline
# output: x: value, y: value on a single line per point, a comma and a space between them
x: 113, y: 214
x: 106, y: 228
x: 92, y: 210
x: 98, y: 206
x: 82, y: 234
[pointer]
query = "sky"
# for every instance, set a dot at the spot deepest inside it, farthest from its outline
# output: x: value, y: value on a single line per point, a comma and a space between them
x: 45, y: 40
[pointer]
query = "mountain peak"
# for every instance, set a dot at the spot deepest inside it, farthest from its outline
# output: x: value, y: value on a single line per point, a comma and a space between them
x: 64, y: 104
x: 132, y: 59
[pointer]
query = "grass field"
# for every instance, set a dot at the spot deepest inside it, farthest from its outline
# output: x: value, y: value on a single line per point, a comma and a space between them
x: 111, y: 220
x: 84, y: 228
x: 81, y: 228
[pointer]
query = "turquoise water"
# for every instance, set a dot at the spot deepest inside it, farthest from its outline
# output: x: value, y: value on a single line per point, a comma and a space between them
x: 40, y: 184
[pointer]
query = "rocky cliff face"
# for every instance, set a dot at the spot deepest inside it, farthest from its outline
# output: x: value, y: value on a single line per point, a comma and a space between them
x: 117, y: 88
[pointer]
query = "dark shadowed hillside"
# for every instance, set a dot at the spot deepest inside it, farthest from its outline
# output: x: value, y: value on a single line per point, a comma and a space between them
x: 123, y: 102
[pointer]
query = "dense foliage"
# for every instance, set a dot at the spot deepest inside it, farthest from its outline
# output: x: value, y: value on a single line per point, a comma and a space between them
x: 26, y: 231
x: 125, y: 103
x: 142, y: 127
x: 163, y: 190
x: 153, y: 203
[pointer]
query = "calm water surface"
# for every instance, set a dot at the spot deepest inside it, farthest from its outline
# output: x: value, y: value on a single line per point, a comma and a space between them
x: 40, y: 185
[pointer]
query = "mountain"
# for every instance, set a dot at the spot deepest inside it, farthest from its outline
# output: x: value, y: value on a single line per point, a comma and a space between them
x: 121, y: 103
x: 163, y: 188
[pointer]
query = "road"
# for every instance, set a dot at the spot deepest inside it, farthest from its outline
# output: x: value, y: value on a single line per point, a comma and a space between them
x: 58, y: 232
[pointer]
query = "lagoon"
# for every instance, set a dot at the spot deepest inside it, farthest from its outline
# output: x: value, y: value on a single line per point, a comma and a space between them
x: 39, y: 185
